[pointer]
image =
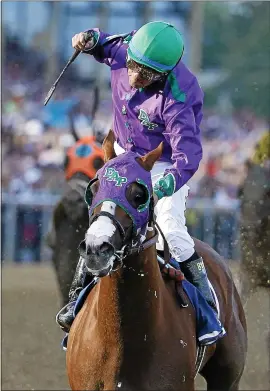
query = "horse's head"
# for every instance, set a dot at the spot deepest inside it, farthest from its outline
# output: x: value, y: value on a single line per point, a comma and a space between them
x: 82, y: 161
x: 85, y: 157
x: 120, y: 206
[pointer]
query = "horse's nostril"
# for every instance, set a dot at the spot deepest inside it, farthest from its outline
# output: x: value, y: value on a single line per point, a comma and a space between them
x: 105, y: 247
x: 88, y: 250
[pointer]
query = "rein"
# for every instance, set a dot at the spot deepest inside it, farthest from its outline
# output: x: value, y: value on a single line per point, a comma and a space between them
x: 145, y: 244
x: 166, y: 246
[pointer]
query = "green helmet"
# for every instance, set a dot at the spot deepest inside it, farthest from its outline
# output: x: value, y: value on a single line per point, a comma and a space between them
x: 157, y: 45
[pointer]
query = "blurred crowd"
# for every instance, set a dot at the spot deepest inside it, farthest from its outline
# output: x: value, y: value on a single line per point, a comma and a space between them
x: 228, y: 143
x: 35, y: 138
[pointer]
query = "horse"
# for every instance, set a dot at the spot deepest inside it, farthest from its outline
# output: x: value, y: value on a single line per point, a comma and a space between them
x: 255, y: 220
x: 131, y: 332
x: 70, y: 215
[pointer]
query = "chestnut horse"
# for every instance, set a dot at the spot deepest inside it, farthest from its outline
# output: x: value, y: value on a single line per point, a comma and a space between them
x: 131, y: 332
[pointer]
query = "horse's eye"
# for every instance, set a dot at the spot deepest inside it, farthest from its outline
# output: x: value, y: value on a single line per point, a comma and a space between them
x: 136, y: 195
x: 139, y: 197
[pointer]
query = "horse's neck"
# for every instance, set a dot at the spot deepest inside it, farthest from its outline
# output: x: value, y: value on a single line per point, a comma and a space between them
x: 127, y: 313
x: 141, y: 279
x: 134, y: 293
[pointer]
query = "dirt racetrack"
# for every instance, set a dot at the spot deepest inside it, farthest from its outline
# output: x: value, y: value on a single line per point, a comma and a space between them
x: 32, y: 358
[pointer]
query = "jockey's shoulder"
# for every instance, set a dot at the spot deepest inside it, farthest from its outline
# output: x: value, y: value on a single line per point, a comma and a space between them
x: 185, y: 76
x: 182, y: 83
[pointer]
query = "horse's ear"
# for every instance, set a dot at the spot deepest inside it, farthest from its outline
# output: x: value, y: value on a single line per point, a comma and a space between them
x: 107, y: 146
x: 147, y: 161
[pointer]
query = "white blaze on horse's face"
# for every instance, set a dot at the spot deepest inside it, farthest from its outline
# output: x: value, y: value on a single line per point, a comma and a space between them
x: 103, y: 228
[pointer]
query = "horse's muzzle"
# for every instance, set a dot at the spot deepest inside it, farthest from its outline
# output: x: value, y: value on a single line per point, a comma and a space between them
x: 99, y: 259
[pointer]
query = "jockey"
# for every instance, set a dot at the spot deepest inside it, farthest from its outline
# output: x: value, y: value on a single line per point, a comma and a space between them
x: 155, y: 98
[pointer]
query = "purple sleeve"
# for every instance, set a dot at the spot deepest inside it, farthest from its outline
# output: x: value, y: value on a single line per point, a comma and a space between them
x: 182, y: 132
x: 106, y: 47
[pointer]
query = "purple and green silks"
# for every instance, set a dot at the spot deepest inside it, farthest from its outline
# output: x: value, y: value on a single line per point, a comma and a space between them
x: 171, y: 112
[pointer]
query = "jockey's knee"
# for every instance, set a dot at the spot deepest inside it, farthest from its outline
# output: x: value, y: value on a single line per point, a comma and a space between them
x: 180, y: 242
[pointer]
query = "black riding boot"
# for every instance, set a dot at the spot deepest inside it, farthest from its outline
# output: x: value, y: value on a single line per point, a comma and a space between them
x: 194, y: 271
x: 65, y: 316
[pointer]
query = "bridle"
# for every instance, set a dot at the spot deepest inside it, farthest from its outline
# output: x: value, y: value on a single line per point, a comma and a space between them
x: 132, y: 245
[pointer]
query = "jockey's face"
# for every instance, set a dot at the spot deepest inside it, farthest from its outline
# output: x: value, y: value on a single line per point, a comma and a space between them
x: 136, y: 81
x: 141, y: 76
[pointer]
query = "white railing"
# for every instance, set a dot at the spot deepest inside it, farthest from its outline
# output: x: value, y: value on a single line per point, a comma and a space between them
x: 26, y: 218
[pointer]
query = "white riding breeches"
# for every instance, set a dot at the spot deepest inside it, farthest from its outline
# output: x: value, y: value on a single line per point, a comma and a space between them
x: 170, y: 216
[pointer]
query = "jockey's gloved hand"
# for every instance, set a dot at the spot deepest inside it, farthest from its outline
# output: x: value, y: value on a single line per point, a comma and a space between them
x: 165, y: 186
x: 85, y: 41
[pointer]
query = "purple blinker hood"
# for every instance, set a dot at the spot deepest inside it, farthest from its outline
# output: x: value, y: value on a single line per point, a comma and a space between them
x: 114, y: 179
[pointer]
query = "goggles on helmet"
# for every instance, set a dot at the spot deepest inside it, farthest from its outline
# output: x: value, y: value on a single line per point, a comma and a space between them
x: 144, y: 71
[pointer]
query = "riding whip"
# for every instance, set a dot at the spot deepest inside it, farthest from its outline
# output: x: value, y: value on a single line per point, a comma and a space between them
x: 88, y: 36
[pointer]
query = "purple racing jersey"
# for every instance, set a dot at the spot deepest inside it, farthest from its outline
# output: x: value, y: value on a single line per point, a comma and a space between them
x: 168, y: 111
